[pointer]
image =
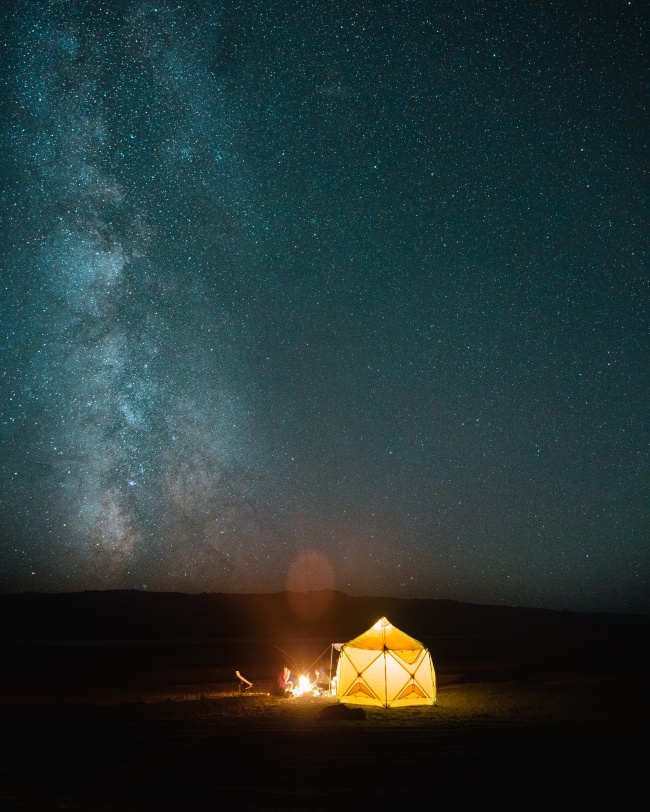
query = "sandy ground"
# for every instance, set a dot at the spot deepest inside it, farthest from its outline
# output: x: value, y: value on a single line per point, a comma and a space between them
x: 503, y: 743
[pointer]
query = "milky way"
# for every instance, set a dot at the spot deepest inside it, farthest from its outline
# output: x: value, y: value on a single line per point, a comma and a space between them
x: 325, y: 294
x: 139, y: 454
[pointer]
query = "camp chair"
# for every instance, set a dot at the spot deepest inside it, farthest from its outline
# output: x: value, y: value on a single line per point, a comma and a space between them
x: 244, y: 684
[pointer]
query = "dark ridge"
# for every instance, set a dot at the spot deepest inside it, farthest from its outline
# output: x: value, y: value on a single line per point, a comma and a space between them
x: 332, y: 615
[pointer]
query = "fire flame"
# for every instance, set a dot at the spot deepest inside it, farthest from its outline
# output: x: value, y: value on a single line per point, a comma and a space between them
x: 304, y: 686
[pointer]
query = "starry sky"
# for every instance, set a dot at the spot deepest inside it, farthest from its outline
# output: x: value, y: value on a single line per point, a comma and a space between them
x: 326, y: 293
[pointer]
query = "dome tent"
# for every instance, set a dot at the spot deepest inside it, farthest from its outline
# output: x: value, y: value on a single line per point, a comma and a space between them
x: 385, y: 667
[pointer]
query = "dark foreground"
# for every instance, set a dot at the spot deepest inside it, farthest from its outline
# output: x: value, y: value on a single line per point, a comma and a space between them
x: 553, y: 718
x: 503, y: 744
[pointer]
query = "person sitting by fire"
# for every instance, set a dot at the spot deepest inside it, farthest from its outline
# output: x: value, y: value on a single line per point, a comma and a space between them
x: 284, y: 685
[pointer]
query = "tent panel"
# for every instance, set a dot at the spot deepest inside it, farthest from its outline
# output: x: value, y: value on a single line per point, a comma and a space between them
x: 411, y: 699
x: 425, y: 678
x: 397, y: 639
x: 360, y: 699
x: 360, y: 694
x: 384, y: 635
x: 375, y: 677
x: 410, y: 655
x: 420, y: 689
x: 351, y: 666
x: 398, y: 673
x: 413, y: 691
x: 358, y: 661
x: 361, y: 687
x: 397, y: 678
x: 409, y: 684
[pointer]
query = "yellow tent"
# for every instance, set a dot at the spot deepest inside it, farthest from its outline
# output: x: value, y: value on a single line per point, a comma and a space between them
x: 385, y: 667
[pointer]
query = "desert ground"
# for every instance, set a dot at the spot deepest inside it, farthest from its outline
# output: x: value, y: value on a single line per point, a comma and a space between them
x: 96, y: 738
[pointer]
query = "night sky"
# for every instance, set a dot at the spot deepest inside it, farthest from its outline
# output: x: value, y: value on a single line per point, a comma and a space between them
x: 326, y: 294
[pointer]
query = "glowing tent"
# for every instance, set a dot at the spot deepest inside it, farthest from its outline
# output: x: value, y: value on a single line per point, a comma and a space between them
x: 385, y: 667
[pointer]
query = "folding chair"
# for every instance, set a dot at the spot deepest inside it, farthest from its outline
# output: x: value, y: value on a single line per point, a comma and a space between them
x: 244, y: 684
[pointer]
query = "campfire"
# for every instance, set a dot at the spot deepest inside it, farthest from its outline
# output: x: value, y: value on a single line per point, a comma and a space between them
x: 304, y: 686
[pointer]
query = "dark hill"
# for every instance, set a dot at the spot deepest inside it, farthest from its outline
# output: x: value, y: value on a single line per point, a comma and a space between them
x: 108, y: 638
x: 322, y: 615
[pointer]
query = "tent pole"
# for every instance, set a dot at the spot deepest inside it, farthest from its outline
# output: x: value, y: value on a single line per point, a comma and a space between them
x: 331, y: 661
